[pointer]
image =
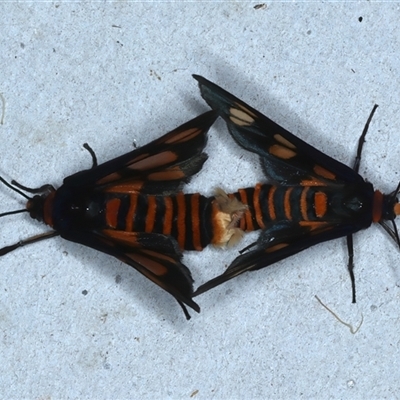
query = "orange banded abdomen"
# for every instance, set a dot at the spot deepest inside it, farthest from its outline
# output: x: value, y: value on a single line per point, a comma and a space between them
x: 268, y: 203
x: 186, y: 217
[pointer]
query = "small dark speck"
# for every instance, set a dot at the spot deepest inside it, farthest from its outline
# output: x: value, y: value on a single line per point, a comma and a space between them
x: 115, y: 26
x: 153, y: 73
x: 309, y: 32
x: 352, y: 70
x: 374, y: 307
x: 54, y: 50
x: 84, y: 292
x: 261, y: 6
x: 57, y: 5
x: 22, y: 45
x: 107, y: 366
x: 118, y: 279
x: 119, y: 43
x: 360, y: 19
x: 228, y: 292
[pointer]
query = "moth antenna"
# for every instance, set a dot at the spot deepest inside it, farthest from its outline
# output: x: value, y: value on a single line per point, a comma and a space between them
x: 41, y: 189
x: 396, y: 233
x: 10, y: 186
x: 396, y: 209
x: 13, y: 212
x: 396, y: 191
x: 392, y: 232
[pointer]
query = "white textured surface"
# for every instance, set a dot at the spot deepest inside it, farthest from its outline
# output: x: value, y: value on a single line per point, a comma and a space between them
x: 109, y: 74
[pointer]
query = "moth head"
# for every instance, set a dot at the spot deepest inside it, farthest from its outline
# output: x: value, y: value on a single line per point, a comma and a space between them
x: 390, y: 209
x: 35, y: 207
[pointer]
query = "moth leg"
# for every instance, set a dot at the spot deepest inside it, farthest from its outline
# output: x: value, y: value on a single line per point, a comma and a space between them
x: 361, y: 141
x: 356, y: 167
x: 30, y: 240
x: 350, y: 266
x: 92, y: 153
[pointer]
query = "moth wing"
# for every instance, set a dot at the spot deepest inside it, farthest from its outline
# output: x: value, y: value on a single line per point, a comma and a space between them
x: 160, y: 166
x: 155, y: 256
x: 277, y: 242
x: 285, y: 158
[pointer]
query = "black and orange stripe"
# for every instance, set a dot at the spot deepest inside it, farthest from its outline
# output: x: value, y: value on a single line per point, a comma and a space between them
x: 132, y: 208
x: 195, y: 221
x: 186, y: 217
x: 269, y: 203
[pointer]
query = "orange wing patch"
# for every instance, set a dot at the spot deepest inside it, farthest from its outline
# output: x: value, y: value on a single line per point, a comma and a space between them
x: 241, y: 116
x: 154, y: 161
x: 281, y: 152
x: 321, y: 171
x: 155, y: 267
x: 279, y: 138
x: 169, y: 174
x: 184, y: 136
x: 276, y: 247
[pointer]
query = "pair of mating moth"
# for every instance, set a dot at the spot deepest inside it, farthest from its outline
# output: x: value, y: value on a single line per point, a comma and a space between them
x: 132, y: 207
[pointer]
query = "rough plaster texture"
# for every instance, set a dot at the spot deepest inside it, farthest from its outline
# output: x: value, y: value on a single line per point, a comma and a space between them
x: 75, y: 323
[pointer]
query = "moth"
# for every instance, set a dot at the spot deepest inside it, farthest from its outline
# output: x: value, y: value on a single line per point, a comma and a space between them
x: 132, y: 208
x: 310, y: 197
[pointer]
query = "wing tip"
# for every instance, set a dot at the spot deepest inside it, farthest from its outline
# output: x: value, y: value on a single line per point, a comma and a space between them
x: 190, y: 303
x: 211, y: 284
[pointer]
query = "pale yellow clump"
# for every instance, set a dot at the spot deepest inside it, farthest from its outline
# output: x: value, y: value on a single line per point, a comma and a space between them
x: 228, y: 214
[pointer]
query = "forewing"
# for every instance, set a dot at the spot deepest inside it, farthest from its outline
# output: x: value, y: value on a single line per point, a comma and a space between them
x: 286, y: 159
x: 277, y: 242
x: 155, y: 256
x: 161, y: 166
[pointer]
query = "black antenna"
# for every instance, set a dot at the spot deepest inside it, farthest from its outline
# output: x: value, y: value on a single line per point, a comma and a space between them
x: 10, y: 186
x: 14, y: 188
x: 13, y: 212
